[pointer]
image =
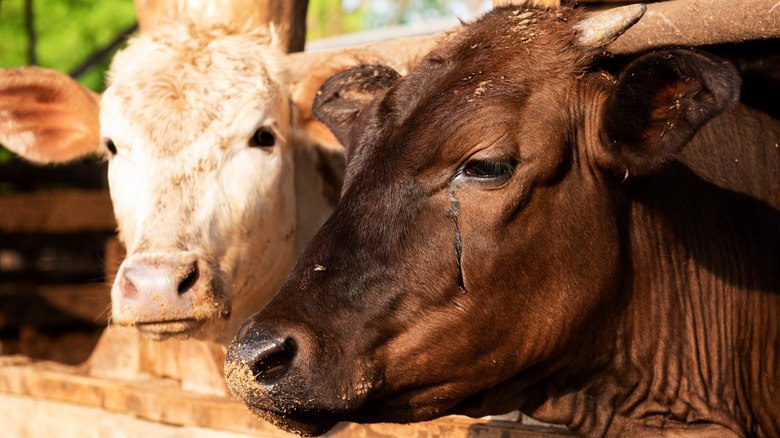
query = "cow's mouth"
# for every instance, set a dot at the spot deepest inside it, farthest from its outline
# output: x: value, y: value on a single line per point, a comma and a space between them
x: 304, y: 424
x: 161, y: 330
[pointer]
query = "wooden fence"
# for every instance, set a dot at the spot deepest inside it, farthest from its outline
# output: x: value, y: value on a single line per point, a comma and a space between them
x: 56, y: 232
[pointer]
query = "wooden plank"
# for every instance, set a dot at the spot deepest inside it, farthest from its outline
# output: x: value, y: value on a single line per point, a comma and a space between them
x: 618, y: 2
x: 67, y: 211
x: 24, y: 176
x: 54, y: 305
x: 27, y: 417
x: 401, y: 53
x: 701, y: 22
x: 542, y: 3
x: 52, y: 258
x: 69, y: 346
x: 161, y: 401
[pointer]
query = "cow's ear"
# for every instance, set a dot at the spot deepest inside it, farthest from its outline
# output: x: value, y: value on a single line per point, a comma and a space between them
x: 659, y: 102
x: 47, y: 117
x: 343, y: 96
x: 306, y: 90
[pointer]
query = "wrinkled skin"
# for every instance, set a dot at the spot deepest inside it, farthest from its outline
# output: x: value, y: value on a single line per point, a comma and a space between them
x: 520, y: 229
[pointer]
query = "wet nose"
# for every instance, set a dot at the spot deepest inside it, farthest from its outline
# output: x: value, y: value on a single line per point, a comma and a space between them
x: 265, y: 352
x: 160, y: 286
x: 160, y: 277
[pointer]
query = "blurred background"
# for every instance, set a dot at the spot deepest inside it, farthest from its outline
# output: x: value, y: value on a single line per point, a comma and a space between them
x: 79, y: 37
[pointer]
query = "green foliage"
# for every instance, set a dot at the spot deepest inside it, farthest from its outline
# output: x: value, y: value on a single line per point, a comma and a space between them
x: 5, y: 155
x: 67, y: 32
x: 326, y: 18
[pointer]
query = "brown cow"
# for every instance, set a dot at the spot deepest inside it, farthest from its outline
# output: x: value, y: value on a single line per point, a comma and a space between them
x: 521, y: 229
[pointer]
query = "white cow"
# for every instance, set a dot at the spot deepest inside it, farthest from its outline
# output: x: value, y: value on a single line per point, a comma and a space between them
x: 214, y: 185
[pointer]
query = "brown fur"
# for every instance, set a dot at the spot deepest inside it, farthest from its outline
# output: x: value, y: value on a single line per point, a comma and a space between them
x: 520, y: 229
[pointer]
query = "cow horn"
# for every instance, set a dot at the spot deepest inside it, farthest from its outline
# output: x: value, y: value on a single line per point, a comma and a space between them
x: 603, y: 28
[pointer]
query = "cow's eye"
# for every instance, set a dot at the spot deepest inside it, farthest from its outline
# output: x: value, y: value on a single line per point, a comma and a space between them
x: 111, y: 146
x: 263, y: 138
x: 484, y: 169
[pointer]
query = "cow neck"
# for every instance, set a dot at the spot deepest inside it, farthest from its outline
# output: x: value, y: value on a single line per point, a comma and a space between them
x: 684, y: 345
x: 705, y: 292
x: 695, y: 340
x: 659, y: 373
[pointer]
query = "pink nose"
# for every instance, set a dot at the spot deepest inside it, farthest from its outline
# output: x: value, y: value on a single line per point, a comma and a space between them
x: 161, y: 278
x: 164, y: 287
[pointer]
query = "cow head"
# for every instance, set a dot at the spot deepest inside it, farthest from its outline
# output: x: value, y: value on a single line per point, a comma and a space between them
x: 477, y: 240
x: 200, y: 178
x: 198, y: 128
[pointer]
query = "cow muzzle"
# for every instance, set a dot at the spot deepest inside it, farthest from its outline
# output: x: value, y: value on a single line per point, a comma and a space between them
x: 277, y: 370
x: 168, y: 295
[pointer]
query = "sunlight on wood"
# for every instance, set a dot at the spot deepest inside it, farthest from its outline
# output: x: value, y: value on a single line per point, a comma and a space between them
x: 543, y: 3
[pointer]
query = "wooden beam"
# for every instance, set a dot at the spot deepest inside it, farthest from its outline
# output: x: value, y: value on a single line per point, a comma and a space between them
x: 54, y: 305
x: 66, y: 211
x: 288, y: 16
x: 289, y: 19
x: 23, y: 176
x: 701, y: 22
x: 543, y: 3
x: 161, y: 401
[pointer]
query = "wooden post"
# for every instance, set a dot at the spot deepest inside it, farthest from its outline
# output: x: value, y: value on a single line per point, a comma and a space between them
x: 287, y: 16
x: 543, y: 3
x: 700, y: 23
x: 29, y: 24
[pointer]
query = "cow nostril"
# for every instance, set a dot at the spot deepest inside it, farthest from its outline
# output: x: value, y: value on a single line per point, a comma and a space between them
x: 190, y: 279
x: 274, y: 362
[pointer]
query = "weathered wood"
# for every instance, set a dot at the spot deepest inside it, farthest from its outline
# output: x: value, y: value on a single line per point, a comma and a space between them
x: 289, y: 20
x: 544, y: 3
x: 614, y: 2
x: 44, y: 389
x: 43, y: 258
x: 54, y: 305
x: 23, y: 176
x: 701, y: 22
x: 402, y: 54
x: 67, y: 211
x: 66, y: 345
x: 123, y: 353
x: 287, y: 16
x: 35, y: 418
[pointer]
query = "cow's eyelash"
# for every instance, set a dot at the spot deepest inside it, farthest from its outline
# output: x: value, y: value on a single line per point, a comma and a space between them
x: 487, y: 170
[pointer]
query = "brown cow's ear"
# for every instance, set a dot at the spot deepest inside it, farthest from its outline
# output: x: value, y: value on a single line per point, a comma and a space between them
x: 47, y: 117
x: 343, y: 96
x: 659, y: 102
x: 305, y: 91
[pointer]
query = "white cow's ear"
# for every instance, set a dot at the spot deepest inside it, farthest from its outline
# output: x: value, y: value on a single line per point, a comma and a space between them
x: 47, y: 117
x: 660, y: 101
x: 309, y: 89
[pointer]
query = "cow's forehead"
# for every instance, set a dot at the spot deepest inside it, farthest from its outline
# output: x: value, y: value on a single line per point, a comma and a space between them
x: 184, y: 80
x: 474, y: 79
